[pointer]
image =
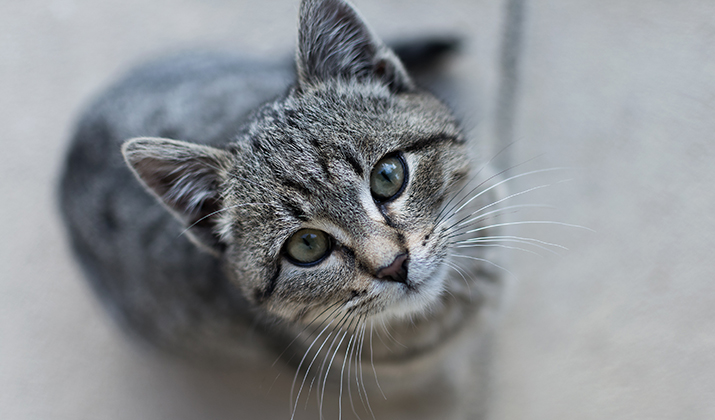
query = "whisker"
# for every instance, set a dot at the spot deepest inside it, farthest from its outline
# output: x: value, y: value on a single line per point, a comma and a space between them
x: 317, y: 353
x: 385, y: 327
x: 463, y: 222
x: 528, y: 222
x: 387, y: 346
x: 459, y: 271
x: 511, y: 178
x: 325, y: 379
x: 503, y: 246
x: 520, y: 238
x: 485, y: 216
x: 298, y: 335
x: 349, y: 356
x: 461, y: 189
x: 295, y: 378
x: 372, y: 362
x: 362, y: 379
x: 310, y: 389
x: 339, y: 326
x: 481, y: 184
x: 486, y: 165
x: 219, y: 211
x: 484, y: 261
x: 527, y: 241
x: 297, y: 398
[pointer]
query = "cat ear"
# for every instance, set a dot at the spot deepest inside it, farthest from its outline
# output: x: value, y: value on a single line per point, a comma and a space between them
x: 334, y: 42
x: 183, y: 176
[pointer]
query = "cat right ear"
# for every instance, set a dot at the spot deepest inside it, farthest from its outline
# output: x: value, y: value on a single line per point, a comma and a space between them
x: 335, y: 43
x: 185, y: 177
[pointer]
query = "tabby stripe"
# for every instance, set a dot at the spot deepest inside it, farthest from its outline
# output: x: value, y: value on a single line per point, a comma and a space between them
x: 324, y: 166
x: 354, y: 263
x: 295, y: 185
x: 352, y: 160
x: 262, y: 295
x: 433, y: 141
x: 295, y: 211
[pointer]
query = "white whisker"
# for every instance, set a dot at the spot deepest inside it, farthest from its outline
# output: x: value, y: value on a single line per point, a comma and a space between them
x: 298, y: 335
x: 385, y: 327
x: 295, y: 378
x: 484, y: 261
x: 310, y: 389
x: 349, y: 356
x: 487, y: 245
x: 476, y: 212
x: 459, y: 271
x: 372, y: 362
x: 476, y: 174
x: 321, y: 395
x: 528, y: 222
x: 297, y: 398
x: 471, y: 242
x: 440, y: 217
x: 340, y: 399
x: 505, y: 237
x: 220, y: 211
x: 362, y: 379
x: 502, y: 182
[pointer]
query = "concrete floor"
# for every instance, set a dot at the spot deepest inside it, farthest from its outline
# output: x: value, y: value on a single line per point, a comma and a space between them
x: 623, y: 92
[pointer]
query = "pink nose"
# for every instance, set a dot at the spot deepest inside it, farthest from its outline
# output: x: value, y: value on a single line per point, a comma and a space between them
x: 397, y: 271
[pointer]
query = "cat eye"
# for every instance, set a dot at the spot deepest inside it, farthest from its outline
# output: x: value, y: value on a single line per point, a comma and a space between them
x: 308, y: 246
x: 388, y: 177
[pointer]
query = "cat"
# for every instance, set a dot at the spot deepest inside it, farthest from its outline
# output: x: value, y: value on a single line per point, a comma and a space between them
x: 322, y: 214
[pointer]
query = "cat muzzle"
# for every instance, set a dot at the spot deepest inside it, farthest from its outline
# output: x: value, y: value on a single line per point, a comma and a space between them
x: 396, y: 271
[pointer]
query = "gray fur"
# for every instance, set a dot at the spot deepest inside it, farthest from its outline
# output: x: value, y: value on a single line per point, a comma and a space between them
x: 240, y: 175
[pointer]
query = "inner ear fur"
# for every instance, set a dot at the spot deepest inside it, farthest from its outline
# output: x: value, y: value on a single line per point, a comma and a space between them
x: 185, y: 177
x: 334, y: 42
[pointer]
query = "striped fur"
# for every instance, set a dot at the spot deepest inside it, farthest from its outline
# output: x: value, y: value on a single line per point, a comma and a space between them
x: 239, y: 176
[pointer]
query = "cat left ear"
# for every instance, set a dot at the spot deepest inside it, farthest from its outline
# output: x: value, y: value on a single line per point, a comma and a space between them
x: 185, y: 177
x: 334, y: 42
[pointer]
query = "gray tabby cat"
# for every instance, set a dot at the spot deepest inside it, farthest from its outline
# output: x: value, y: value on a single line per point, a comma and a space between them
x: 330, y: 228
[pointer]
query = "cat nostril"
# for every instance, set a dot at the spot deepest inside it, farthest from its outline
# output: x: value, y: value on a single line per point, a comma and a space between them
x: 397, y: 271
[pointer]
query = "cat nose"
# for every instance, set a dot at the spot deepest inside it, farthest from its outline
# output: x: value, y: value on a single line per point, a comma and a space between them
x: 396, y: 271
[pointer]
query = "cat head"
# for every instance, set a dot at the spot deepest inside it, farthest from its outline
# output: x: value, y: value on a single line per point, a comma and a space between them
x: 329, y: 198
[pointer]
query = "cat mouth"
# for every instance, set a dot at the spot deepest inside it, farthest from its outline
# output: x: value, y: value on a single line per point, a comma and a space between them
x: 393, y: 299
x: 405, y: 283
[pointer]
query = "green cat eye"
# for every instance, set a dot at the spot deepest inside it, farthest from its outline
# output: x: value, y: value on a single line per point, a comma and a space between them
x: 388, y: 177
x: 308, y: 246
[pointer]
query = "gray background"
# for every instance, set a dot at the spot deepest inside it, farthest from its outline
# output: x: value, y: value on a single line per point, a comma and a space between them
x: 622, y: 91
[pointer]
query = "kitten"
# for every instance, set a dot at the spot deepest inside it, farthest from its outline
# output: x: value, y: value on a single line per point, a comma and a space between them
x: 328, y: 226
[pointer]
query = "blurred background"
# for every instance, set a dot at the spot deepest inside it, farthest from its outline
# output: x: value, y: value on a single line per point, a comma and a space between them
x: 622, y: 91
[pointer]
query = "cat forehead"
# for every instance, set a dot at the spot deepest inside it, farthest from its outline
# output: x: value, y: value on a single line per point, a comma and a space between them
x: 359, y: 125
x: 363, y: 109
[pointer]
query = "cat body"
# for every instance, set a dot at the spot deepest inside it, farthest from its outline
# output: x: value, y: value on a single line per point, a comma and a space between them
x: 306, y: 214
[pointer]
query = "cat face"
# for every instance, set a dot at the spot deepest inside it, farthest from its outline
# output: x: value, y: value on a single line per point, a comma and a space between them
x: 329, y: 198
x: 347, y: 181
